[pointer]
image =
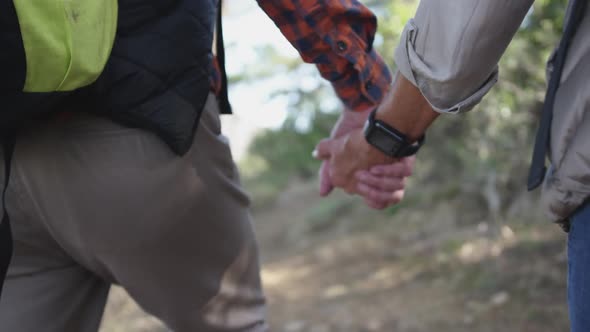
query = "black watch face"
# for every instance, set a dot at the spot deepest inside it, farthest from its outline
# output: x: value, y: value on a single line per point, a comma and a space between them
x: 384, y: 141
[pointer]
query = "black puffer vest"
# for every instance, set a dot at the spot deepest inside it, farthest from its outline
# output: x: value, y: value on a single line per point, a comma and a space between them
x: 157, y: 77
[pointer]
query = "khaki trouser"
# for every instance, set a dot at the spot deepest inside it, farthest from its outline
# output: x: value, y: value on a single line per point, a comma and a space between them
x: 94, y: 203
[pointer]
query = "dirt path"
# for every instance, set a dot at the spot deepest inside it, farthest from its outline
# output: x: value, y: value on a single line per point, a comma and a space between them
x: 412, y: 271
x: 348, y: 269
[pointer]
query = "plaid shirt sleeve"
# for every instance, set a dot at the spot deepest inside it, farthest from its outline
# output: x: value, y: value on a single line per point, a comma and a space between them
x: 337, y: 36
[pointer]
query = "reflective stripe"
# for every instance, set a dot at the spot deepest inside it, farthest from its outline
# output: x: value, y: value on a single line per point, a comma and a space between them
x: 67, y: 42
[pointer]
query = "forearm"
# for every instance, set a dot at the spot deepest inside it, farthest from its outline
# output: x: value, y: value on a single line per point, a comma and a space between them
x: 451, y: 49
x: 337, y: 37
x: 406, y: 109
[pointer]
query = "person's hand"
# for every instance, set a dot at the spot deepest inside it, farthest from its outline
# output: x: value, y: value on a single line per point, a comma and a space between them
x: 404, y: 108
x: 349, y: 159
x: 384, y: 185
x: 347, y: 122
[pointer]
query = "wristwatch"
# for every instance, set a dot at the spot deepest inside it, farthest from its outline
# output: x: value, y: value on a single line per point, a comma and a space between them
x: 389, y: 140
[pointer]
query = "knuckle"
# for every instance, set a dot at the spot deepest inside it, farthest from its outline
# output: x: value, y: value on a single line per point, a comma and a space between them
x: 386, y: 171
x: 388, y: 183
x: 374, y: 181
x: 381, y: 185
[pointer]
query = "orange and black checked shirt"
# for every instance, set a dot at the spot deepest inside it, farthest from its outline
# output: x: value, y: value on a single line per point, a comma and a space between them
x: 337, y: 36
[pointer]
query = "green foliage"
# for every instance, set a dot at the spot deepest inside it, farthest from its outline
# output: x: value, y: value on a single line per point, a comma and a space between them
x: 287, y: 151
x: 323, y: 215
x: 391, y: 24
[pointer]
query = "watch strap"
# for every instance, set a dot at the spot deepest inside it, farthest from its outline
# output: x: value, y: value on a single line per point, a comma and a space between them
x: 404, y: 149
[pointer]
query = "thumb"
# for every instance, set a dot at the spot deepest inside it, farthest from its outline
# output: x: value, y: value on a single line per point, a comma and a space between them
x: 326, y: 185
x: 324, y: 149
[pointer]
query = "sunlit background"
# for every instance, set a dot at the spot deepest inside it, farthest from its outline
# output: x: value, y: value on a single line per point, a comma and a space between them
x: 468, y: 249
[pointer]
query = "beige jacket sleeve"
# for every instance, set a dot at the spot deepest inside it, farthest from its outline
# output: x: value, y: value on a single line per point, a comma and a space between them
x: 451, y: 49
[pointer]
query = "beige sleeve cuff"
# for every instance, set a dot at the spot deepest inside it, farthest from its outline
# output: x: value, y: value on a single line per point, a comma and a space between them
x: 451, y: 49
x: 440, y: 93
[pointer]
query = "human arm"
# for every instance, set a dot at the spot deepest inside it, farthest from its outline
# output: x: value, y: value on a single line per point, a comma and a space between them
x: 336, y: 36
x: 381, y: 190
x: 350, y: 156
x: 450, y: 49
x: 448, y: 61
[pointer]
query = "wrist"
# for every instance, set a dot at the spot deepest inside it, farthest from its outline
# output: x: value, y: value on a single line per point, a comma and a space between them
x: 389, y: 140
x: 370, y: 152
x: 349, y: 120
x: 406, y: 110
x: 356, y: 118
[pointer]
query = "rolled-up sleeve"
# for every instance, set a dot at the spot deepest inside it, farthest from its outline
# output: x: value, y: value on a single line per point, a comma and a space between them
x: 451, y: 49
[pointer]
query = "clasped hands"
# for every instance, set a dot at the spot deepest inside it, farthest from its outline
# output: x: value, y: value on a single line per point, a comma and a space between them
x: 350, y: 163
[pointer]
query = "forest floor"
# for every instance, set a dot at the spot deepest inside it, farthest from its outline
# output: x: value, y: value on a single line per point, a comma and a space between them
x: 430, y: 265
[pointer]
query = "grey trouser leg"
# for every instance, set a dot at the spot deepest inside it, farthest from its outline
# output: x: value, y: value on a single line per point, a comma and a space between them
x: 95, y: 203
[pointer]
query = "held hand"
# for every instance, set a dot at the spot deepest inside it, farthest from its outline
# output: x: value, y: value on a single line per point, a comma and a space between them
x: 347, y: 122
x: 346, y: 156
x: 384, y: 185
x: 403, y: 108
x: 381, y: 186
